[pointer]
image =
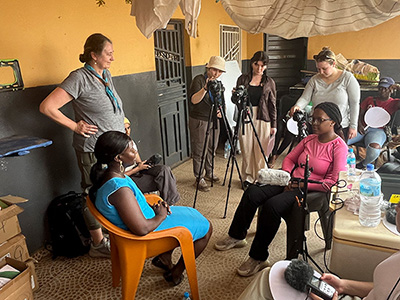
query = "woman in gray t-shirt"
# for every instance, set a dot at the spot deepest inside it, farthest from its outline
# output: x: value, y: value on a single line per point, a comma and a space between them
x: 333, y: 85
x: 97, y: 108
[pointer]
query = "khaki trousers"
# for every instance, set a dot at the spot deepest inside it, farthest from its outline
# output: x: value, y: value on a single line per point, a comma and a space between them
x: 85, y: 162
x: 198, y: 132
x: 252, y: 158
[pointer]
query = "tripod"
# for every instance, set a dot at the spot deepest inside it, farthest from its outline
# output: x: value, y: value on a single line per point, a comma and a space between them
x: 305, y: 211
x: 217, y: 101
x: 300, y: 118
x: 243, y: 114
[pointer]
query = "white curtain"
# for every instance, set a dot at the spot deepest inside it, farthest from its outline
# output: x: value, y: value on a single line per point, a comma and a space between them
x: 155, y: 14
x: 304, y: 18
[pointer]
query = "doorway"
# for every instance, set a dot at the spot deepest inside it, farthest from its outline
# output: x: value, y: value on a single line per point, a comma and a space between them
x: 172, y: 92
x: 286, y: 59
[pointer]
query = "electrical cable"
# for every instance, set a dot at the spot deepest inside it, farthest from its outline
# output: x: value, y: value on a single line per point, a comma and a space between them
x: 339, y: 204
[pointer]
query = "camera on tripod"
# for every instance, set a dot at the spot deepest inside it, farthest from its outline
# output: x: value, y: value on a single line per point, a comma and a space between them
x: 216, y: 89
x: 301, y: 120
x: 240, y: 96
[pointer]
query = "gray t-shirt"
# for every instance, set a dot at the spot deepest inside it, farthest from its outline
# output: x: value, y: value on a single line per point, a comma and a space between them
x: 344, y: 91
x: 92, y: 104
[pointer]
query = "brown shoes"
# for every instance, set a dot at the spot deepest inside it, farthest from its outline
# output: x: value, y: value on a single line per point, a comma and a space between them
x: 215, y: 178
x: 202, y: 185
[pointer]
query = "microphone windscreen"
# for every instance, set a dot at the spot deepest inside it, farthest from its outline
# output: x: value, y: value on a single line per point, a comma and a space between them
x: 298, y: 273
x: 273, y: 177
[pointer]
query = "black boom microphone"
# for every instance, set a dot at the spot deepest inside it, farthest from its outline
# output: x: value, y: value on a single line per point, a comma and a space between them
x: 297, y: 274
x: 300, y: 276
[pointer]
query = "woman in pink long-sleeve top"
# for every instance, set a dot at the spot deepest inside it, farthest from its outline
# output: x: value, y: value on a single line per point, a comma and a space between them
x: 327, y: 156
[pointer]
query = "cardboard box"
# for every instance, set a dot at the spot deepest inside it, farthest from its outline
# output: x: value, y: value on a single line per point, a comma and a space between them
x: 34, y: 279
x: 18, y: 288
x: 14, y: 248
x: 9, y: 225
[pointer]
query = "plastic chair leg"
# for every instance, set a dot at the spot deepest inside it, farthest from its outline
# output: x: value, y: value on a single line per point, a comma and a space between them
x: 115, y: 263
x: 131, y: 267
x: 190, y: 265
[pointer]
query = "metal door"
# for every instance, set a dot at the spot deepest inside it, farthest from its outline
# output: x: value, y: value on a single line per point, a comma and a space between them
x: 171, y: 91
x: 287, y: 58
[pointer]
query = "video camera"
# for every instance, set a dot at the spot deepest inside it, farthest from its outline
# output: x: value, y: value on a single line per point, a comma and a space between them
x: 240, y: 96
x: 216, y: 89
x: 154, y: 159
x: 301, y: 120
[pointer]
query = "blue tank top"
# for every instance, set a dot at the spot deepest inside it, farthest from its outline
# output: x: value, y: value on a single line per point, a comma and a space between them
x: 184, y: 216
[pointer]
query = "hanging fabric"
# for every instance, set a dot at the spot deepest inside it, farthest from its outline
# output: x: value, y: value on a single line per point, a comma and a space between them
x: 153, y: 15
x: 299, y: 18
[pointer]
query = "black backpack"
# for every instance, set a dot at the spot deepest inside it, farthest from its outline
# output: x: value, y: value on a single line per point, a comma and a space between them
x: 69, y: 234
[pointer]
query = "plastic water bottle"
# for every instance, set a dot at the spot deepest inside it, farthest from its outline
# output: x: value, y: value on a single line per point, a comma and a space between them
x: 186, y: 296
x: 227, y: 149
x: 371, y: 198
x: 351, y: 165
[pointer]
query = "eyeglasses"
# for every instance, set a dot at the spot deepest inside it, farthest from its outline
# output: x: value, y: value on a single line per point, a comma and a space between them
x: 318, y: 121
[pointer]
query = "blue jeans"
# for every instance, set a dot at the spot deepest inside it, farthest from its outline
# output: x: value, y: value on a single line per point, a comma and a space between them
x: 372, y: 135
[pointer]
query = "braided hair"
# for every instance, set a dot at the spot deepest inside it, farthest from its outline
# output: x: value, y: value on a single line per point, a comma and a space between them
x: 108, y: 146
x: 333, y: 112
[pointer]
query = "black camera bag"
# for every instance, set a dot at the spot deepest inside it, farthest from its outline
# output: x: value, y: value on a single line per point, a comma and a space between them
x: 69, y: 234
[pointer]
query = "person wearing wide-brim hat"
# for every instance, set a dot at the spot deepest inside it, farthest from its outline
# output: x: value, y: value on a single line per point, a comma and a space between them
x: 199, y: 110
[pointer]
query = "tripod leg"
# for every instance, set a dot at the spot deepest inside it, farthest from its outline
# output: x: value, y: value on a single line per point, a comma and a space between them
x: 213, y: 153
x: 256, y: 135
x: 204, y: 152
x: 228, y: 193
x: 232, y: 142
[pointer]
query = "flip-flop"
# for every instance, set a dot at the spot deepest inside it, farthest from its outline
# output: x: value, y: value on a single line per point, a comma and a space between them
x: 170, y: 279
x: 156, y: 261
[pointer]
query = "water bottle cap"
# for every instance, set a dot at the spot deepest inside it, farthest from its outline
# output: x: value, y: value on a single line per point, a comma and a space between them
x: 370, y: 167
x: 186, y: 294
x: 351, y: 150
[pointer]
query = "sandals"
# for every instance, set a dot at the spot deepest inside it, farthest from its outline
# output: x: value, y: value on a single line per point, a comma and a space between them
x: 156, y: 261
x: 170, y: 279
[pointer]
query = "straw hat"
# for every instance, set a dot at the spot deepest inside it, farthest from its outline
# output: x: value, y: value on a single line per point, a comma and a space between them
x: 216, y: 62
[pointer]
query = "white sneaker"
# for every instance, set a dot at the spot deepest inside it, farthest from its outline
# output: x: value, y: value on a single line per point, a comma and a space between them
x: 252, y: 266
x: 229, y: 243
x: 101, y: 250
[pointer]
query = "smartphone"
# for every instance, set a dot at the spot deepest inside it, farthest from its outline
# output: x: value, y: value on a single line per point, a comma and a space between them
x: 320, y: 288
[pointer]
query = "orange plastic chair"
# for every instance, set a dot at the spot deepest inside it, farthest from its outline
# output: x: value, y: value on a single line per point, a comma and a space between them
x: 129, y: 251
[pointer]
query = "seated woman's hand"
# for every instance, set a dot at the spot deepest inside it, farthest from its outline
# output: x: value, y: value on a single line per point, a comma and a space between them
x: 293, y: 185
x: 143, y: 165
x: 161, y: 208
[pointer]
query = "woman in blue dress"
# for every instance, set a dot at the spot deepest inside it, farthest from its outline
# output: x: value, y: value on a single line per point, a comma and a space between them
x: 118, y: 198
